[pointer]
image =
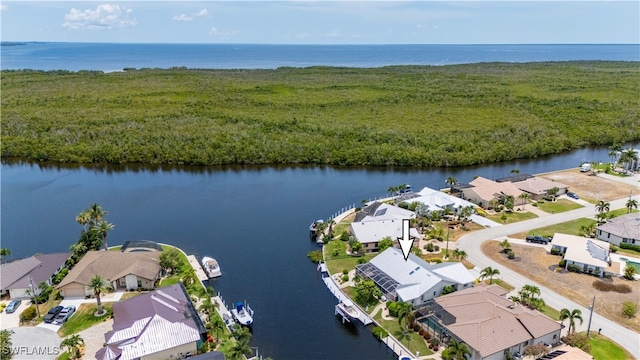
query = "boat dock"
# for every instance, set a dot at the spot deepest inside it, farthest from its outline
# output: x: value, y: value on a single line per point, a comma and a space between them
x: 335, y: 290
x: 195, y: 264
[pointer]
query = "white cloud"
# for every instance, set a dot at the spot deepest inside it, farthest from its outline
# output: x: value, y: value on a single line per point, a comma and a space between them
x: 185, y: 17
x: 104, y: 17
x: 3, y: 7
x: 334, y: 33
x: 222, y: 34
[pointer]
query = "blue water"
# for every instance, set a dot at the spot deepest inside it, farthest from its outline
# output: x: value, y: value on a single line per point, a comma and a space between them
x: 117, y: 56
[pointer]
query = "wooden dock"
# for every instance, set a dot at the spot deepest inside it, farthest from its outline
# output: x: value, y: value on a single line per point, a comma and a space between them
x: 195, y: 264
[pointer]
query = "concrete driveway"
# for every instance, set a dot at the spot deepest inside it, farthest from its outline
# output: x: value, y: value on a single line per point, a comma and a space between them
x: 35, y: 343
x: 11, y: 320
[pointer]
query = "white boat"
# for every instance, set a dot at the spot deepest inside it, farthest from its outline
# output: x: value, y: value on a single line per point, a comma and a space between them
x: 211, y: 267
x: 314, y: 225
x: 242, y: 313
x: 348, y: 309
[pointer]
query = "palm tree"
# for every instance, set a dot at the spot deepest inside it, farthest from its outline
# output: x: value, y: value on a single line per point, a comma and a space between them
x: 103, y: 227
x: 460, y: 254
x: 572, y: 316
x: 631, y: 204
x: 525, y: 198
x: 405, y: 314
x: 96, y: 213
x: 4, y: 252
x: 457, y: 350
x: 489, y: 272
x: 602, y: 206
x: 588, y: 230
x: 189, y: 276
x: 451, y: 181
x: 241, y: 334
x: 614, y: 151
x: 239, y: 350
x: 505, y: 245
x: 217, y: 325
x: 72, y: 344
x: 564, y: 314
x: 515, y: 171
x: 98, y: 285
x: 629, y: 157
x: 83, y: 219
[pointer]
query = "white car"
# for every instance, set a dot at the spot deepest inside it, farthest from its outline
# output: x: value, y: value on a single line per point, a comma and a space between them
x: 64, y: 315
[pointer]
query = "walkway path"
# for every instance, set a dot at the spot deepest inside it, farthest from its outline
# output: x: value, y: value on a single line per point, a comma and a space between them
x: 471, y: 243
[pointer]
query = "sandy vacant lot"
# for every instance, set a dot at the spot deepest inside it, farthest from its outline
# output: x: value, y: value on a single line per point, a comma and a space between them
x: 591, y: 187
x: 536, y: 264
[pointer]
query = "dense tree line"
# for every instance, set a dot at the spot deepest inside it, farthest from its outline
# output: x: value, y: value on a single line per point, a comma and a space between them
x: 402, y: 115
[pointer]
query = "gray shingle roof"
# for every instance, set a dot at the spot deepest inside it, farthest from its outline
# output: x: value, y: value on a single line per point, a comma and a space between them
x: 15, y: 275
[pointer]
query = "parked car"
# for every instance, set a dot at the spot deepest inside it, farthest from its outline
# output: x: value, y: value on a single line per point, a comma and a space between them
x: 573, y: 195
x: 538, y: 239
x: 64, y: 315
x: 51, y: 315
x: 13, y: 306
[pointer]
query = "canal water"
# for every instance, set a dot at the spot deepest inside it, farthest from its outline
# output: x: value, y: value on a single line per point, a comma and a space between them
x: 253, y: 219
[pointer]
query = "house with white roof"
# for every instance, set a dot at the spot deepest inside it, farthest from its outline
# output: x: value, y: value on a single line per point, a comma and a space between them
x: 413, y: 281
x: 437, y: 200
x: 162, y: 324
x: 383, y: 211
x: 623, y: 229
x: 370, y: 232
x: 488, y: 323
x: 591, y: 255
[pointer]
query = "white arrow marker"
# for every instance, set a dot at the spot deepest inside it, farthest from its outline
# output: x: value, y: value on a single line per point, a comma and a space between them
x: 406, y: 242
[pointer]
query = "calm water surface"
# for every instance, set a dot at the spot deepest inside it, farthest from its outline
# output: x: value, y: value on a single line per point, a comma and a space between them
x: 254, y: 220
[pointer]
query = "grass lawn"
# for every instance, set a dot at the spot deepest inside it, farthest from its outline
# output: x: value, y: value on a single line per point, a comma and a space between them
x: 337, y: 265
x: 602, y: 348
x: 503, y: 284
x: 550, y: 312
x: 558, y: 206
x: 417, y: 342
x: 84, y: 319
x: 170, y: 280
x: 115, y: 248
x: 130, y: 294
x: 570, y: 227
x: 335, y: 249
x: 620, y: 212
x: 512, y: 217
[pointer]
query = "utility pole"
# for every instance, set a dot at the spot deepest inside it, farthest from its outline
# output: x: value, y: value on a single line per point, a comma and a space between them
x: 591, y: 314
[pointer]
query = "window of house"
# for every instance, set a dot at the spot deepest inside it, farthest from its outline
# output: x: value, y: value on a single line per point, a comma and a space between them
x: 139, y: 283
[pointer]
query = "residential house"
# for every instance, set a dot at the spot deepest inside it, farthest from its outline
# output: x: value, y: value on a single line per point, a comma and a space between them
x: 123, y: 270
x: 383, y: 211
x: 590, y: 255
x: 484, y: 192
x: 623, y: 229
x: 162, y: 324
x: 538, y: 188
x: 437, y: 200
x: 488, y: 323
x: 17, y: 276
x: 369, y: 233
x: 413, y: 281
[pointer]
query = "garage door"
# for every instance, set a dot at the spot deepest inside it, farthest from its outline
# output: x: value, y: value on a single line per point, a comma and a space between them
x: 73, y: 290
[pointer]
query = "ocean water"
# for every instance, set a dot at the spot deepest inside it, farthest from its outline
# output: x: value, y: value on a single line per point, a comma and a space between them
x: 117, y: 56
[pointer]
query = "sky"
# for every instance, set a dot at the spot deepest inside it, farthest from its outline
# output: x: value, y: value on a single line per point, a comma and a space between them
x: 323, y: 22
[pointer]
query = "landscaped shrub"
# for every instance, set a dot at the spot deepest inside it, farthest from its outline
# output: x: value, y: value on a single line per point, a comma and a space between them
x: 403, y: 205
x: 562, y: 263
x: 613, y: 248
x: 555, y: 251
x: 344, y: 236
x: 29, y: 313
x: 345, y: 271
x: 345, y: 278
x: 511, y: 255
x: 315, y: 256
x: 574, y: 268
x: 362, y: 260
x: 393, y: 308
x: 437, y: 261
x: 635, y: 248
x: 605, y: 286
x: 436, y: 248
x: 629, y: 309
x: 416, y: 327
x: 379, y: 333
x: 429, y: 247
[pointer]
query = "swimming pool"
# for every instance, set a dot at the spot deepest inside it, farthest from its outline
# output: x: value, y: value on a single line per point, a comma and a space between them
x: 632, y: 263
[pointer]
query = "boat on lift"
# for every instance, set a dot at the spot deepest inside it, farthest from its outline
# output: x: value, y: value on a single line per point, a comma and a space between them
x: 211, y: 267
x: 242, y: 313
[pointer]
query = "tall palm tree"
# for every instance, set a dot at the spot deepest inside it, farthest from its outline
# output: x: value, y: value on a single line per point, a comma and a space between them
x: 460, y: 254
x: 189, y: 276
x: 405, y: 314
x: 573, y: 315
x: 242, y: 333
x: 217, y: 325
x: 83, y: 219
x: 489, y: 272
x: 96, y: 213
x: 614, y: 152
x: 451, y: 181
x: 72, y: 344
x: 103, y: 227
x: 631, y: 204
x: 525, y: 198
x: 505, y: 245
x: 98, y: 285
x: 629, y: 157
x: 602, y: 206
x: 239, y: 350
x: 457, y: 350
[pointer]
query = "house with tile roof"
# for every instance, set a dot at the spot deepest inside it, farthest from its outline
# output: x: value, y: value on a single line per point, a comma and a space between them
x: 123, y: 270
x: 17, y: 276
x: 162, y: 324
x: 538, y: 188
x: 483, y: 191
x: 413, y: 281
x: 623, y: 229
x: 590, y: 255
x: 488, y: 323
x: 370, y: 232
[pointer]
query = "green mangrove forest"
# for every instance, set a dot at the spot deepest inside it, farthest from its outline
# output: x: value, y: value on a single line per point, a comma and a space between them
x: 451, y: 115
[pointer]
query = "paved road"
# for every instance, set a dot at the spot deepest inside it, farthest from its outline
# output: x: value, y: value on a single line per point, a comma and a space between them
x: 471, y: 244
